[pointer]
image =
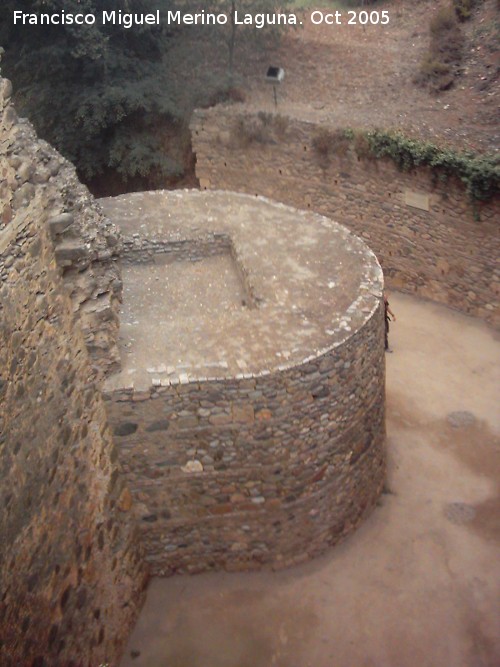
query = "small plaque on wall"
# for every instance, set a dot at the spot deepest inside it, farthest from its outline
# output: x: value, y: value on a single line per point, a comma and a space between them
x: 417, y: 200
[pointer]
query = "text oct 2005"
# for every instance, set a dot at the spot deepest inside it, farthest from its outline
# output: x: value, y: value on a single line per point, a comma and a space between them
x: 351, y: 17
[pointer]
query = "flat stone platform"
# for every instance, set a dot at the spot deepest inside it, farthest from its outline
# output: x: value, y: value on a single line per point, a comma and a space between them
x: 292, y: 284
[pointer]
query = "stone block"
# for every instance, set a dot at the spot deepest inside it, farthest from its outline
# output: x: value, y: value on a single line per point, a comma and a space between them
x: 70, y: 252
x: 5, y: 90
x: 25, y: 172
x: 243, y: 413
x: 159, y: 425
x: 225, y: 508
x: 124, y: 429
x: 220, y: 419
x: 23, y: 196
x: 6, y: 216
x: 59, y: 224
x: 124, y: 502
x: 9, y: 117
x: 184, y: 423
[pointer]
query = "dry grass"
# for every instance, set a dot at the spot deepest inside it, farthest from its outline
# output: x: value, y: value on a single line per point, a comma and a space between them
x: 329, y: 142
x: 440, y: 64
x: 266, y: 128
x: 463, y: 8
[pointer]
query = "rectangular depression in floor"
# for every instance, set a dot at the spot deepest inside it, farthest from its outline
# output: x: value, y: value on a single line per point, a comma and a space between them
x: 173, y: 313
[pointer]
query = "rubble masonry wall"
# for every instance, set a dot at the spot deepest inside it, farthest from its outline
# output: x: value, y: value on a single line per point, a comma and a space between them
x: 442, y: 253
x: 71, y: 571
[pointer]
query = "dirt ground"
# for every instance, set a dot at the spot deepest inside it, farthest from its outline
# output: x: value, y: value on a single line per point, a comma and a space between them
x: 352, y: 76
x: 362, y: 77
x: 418, y: 585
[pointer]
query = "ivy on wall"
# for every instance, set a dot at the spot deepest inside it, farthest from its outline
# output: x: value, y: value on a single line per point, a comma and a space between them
x: 480, y: 173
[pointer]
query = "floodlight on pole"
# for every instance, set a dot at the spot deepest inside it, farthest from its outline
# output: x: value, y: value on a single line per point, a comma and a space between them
x: 275, y: 76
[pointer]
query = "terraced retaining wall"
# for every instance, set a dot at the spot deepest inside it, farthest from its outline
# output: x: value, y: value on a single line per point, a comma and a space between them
x: 423, y: 231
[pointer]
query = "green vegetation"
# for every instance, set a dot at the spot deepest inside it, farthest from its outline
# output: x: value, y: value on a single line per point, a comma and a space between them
x: 438, y: 68
x: 463, y: 8
x: 232, y: 34
x: 480, y: 174
x: 95, y: 92
x: 116, y: 101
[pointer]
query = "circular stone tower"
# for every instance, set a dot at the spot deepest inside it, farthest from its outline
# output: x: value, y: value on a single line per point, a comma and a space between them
x: 249, y: 411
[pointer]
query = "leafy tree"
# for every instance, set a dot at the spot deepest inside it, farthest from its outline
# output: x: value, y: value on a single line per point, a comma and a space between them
x: 118, y: 100
x: 97, y: 92
x: 236, y: 39
x: 252, y: 7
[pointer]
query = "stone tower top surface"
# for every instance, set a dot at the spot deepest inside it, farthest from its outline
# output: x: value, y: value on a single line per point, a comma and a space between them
x: 307, y: 285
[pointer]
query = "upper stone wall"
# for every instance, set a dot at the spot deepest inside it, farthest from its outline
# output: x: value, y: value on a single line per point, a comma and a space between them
x: 423, y: 232
x: 71, y: 576
x: 86, y: 243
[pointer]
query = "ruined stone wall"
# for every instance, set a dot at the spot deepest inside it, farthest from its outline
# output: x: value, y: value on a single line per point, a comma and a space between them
x: 265, y: 468
x: 86, y: 244
x: 139, y: 250
x: 442, y: 253
x: 71, y: 576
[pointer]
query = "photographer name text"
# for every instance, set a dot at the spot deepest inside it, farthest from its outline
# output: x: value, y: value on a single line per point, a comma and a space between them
x: 258, y: 20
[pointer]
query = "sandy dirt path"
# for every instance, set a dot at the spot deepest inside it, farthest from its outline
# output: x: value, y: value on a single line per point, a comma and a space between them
x: 418, y: 584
